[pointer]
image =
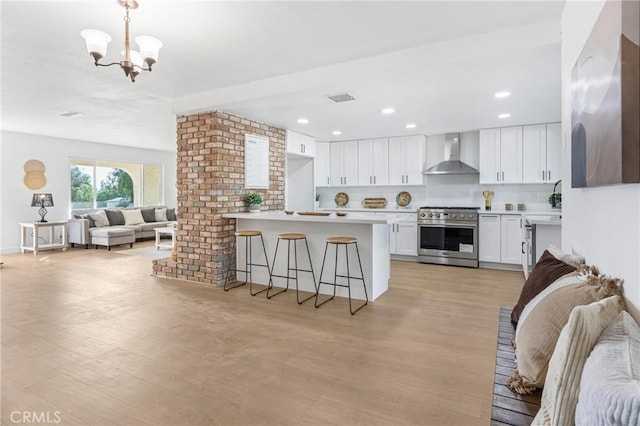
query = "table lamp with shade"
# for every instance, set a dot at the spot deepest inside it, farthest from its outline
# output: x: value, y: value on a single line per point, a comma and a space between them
x: 42, y: 200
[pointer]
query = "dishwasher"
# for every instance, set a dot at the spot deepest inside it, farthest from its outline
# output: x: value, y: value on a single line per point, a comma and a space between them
x: 538, y: 231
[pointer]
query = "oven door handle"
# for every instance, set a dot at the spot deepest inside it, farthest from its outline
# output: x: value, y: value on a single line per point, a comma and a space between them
x: 449, y: 225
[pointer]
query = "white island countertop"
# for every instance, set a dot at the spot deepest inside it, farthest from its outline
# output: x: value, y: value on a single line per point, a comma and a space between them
x: 371, y: 230
x: 351, y: 217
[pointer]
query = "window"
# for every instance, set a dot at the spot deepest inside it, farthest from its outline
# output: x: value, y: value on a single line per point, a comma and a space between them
x: 100, y: 184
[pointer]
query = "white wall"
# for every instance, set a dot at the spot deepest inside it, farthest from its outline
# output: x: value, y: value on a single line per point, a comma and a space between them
x: 15, y: 197
x: 603, y: 224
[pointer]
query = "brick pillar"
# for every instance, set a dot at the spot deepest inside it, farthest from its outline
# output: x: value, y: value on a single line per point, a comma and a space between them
x: 210, y: 182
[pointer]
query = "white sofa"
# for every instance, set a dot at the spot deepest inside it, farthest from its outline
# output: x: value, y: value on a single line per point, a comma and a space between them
x: 81, y: 232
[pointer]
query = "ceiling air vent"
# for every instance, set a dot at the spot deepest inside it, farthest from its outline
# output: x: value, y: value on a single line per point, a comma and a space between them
x: 341, y: 97
x: 70, y: 114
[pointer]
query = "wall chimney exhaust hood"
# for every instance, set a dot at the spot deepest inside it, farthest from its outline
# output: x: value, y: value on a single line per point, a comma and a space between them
x: 451, y: 164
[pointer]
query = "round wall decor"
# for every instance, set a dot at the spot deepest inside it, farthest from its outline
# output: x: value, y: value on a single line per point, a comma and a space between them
x: 35, y: 180
x: 34, y: 166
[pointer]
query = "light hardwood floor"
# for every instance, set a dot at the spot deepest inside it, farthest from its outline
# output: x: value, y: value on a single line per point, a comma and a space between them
x: 90, y: 334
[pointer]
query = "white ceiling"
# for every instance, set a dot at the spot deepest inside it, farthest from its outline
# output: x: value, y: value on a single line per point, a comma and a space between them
x: 437, y: 63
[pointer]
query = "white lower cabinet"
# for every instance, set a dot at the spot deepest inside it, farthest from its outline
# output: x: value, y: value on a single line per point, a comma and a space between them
x: 404, y: 237
x: 511, y: 239
x: 489, y: 238
x: 500, y: 238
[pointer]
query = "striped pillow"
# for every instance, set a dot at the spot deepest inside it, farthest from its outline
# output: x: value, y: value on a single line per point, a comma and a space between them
x: 577, y: 339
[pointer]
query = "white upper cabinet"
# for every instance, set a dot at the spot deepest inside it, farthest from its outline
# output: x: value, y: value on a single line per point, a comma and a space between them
x: 554, y: 152
x: 301, y: 145
x: 534, y: 153
x: 521, y: 154
x: 501, y: 155
x: 323, y: 164
x: 406, y: 160
x: 541, y: 151
x: 490, y: 156
x: 511, y: 154
x: 344, y: 163
x: 373, y: 164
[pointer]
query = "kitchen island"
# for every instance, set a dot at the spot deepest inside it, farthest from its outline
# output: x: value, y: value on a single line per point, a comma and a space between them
x: 372, y: 231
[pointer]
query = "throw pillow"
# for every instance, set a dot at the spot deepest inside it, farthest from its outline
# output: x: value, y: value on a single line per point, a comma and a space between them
x: 577, y: 339
x: 609, y: 389
x: 132, y: 217
x: 149, y: 215
x: 115, y: 217
x: 547, y: 270
x: 92, y: 223
x: 171, y: 215
x: 574, y: 260
x: 100, y: 218
x: 540, y: 324
x: 161, y: 215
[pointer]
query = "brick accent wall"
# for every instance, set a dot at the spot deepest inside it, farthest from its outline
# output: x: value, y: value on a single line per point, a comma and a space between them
x: 210, y: 182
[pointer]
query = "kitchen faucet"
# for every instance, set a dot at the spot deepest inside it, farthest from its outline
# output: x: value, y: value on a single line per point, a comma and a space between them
x: 554, y: 203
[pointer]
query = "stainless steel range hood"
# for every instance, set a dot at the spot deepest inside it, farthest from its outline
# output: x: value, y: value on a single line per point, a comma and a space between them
x: 451, y: 164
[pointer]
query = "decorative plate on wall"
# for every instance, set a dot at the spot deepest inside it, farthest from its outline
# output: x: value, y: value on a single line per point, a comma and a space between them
x: 403, y: 199
x: 341, y: 199
x: 34, y: 166
x: 35, y: 180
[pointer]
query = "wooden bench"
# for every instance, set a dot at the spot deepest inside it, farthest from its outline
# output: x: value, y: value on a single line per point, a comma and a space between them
x: 508, y: 407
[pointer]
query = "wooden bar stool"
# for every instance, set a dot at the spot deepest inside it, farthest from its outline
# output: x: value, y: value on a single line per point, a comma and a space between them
x: 248, y: 261
x: 292, y: 238
x: 346, y: 242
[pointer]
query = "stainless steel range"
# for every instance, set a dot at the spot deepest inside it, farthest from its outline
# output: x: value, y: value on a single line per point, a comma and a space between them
x: 448, y: 235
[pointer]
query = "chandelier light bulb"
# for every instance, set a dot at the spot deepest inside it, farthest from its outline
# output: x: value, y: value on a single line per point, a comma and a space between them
x: 149, y: 48
x: 136, y: 58
x: 97, y: 41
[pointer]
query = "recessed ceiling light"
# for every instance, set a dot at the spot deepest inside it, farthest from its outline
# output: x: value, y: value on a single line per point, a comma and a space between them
x: 336, y: 132
x: 388, y: 111
x: 410, y: 126
x: 302, y: 121
x: 504, y: 94
x: 70, y: 114
x: 505, y: 115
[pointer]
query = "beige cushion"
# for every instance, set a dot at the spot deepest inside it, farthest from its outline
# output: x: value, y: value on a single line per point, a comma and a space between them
x: 565, y: 280
x: 610, y: 385
x: 100, y: 218
x: 161, y: 215
x: 574, y: 260
x: 132, y: 217
x: 560, y: 395
x: 110, y: 232
x: 543, y: 319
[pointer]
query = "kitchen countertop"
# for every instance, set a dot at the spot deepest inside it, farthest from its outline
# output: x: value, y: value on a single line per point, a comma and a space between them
x: 548, y: 212
x: 362, y: 209
x: 351, y: 217
x: 543, y: 220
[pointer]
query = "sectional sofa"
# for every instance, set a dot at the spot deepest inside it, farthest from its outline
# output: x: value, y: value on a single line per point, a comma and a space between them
x: 115, y: 226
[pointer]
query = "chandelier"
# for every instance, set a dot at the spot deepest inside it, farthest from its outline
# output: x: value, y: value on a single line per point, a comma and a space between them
x: 133, y: 61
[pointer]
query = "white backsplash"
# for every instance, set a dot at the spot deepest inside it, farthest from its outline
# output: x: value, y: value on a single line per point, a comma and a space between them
x: 450, y: 190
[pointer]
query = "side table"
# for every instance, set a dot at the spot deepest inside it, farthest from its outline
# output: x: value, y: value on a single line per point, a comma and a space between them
x: 169, y: 230
x: 37, y: 228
